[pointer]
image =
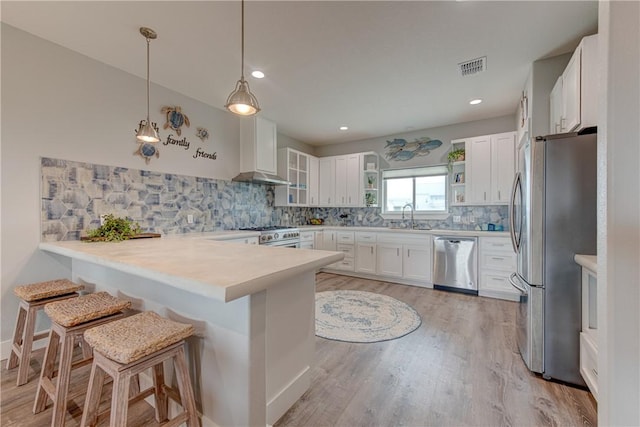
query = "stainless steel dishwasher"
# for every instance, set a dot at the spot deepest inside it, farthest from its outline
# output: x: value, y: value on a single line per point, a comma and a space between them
x: 455, y: 264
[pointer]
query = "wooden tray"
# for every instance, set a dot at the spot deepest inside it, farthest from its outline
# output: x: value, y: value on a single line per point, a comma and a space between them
x: 137, y: 236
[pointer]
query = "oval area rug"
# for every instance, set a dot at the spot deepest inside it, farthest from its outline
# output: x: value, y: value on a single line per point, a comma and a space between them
x: 365, y: 317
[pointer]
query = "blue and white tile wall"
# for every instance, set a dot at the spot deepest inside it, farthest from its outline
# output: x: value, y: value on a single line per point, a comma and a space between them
x: 75, y: 194
x: 470, y: 217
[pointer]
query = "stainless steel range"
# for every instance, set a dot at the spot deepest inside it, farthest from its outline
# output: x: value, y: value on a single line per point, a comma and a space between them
x: 288, y: 237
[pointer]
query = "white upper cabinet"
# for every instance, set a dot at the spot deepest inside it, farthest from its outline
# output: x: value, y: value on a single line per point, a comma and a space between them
x: 327, y: 181
x: 573, y: 101
x: 555, y: 107
x: 490, y: 167
x: 313, y: 181
x: 479, y: 169
x: 258, y: 145
x: 503, y: 166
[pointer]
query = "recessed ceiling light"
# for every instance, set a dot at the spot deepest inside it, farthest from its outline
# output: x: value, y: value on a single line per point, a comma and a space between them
x: 475, y: 101
x: 258, y: 74
x: 344, y: 127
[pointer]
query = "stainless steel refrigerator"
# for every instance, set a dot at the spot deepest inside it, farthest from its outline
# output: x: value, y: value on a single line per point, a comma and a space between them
x: 553, y: 217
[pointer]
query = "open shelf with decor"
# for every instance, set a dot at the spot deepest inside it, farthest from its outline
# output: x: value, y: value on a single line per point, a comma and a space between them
x: 371, y: 178
x: 457, y: 172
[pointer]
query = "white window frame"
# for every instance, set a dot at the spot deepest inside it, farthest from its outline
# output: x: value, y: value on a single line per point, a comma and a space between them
x: 415, y: 172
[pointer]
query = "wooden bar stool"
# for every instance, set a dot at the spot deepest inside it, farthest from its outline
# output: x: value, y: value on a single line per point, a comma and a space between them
x: 129, y: 346
x: 69, y: 320
x: 33, y: 297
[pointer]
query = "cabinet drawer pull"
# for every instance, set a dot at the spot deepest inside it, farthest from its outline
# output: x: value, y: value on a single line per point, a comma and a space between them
x: 371, y: 250
x: 398, y: 252
x: 497, y: 279
x: 408, y: 253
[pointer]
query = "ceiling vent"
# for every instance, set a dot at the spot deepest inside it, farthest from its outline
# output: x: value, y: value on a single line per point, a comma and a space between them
x: 474, y: 66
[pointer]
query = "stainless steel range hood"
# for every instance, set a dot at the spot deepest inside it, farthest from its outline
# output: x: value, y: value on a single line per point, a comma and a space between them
x: 256, y: 177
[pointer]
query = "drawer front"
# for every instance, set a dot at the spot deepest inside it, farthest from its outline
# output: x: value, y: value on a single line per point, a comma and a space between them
x: 498, y: 261
x: 345, y: 237
x: 365, y: 237
x: 589, y: 364
x: 496, y: 244
x: 347, y: 249
x: 306, y: 236
x: 496, y: 281
x: 346, y: 264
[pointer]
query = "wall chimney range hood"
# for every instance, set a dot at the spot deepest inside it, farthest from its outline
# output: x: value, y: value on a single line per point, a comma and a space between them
x: 258, y: 152
x: 256, y: 177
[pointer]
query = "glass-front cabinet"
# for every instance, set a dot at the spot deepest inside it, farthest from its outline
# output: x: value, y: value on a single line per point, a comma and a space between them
x: 293, y: 166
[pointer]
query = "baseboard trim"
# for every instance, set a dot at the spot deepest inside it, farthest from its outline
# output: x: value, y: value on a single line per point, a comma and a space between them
x: 398, y: 280
x: 289, y: 395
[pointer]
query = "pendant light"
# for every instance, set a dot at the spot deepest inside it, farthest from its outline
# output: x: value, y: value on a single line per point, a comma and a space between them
x: 146, y: 130
x: 241, y: 101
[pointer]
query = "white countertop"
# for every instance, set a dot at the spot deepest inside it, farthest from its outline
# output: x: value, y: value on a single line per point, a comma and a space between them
x: 408, y: 230
x: 220, y: 270
x: 588, y: 261
x: 215, y: 235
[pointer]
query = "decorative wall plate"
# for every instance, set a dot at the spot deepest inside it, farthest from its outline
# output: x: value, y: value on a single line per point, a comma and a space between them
x: 399, y: 149
x: 175, y: 118
x: 147, y: 150
x: 202, y: 133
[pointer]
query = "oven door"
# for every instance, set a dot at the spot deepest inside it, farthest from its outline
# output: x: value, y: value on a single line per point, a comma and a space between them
x: 285, y: 244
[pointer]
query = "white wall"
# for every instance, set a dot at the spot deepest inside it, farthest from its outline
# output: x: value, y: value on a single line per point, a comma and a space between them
x: 443, y: 133
x: 57, y: 103
x: 619, y: 215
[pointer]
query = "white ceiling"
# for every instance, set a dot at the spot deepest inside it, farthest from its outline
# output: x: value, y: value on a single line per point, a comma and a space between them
x: 379, y: 67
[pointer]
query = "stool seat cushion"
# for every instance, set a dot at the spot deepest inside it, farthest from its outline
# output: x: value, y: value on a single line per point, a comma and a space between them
x: 49, y: 289
x: 132, y: 338
x: 85, y: 308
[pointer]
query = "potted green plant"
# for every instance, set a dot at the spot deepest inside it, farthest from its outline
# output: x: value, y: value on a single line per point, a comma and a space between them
x: 113, y: 229
x: 371, y: 181
x: 456, y: 155
x: 370, y: 199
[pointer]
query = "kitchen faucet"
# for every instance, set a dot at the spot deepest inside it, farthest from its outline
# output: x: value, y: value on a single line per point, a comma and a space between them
x: 413, y: 224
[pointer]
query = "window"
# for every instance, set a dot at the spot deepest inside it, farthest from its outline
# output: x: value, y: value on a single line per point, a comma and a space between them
x: 424, y: 187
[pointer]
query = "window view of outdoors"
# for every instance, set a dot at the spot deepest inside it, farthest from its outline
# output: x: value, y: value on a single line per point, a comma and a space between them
x: 399, y: 192
x: 430, y: 193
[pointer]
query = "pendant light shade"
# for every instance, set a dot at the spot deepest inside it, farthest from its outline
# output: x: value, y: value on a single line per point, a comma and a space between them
x: 241, y: 101
x: 146, y: 130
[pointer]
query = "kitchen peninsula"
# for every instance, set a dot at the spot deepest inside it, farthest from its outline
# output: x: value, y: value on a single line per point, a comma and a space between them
x: 253, y: 308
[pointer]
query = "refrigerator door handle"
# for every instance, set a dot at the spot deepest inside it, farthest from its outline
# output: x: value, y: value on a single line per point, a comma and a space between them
x: 515, y: 285
x: 512, y: 213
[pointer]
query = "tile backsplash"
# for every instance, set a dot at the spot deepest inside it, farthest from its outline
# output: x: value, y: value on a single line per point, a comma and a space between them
x: 75, y: 194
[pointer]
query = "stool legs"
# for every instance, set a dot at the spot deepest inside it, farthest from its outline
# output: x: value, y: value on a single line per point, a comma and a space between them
x: 23, y: 342
x: 24, y: 335
x: 122, y: 376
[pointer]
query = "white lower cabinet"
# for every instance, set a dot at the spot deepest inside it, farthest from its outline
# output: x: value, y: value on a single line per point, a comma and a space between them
x: 416, y: 263
x: 307, y: 239
x: 345, y: 243
x: 244, y: 240
x: 496, y: 262
x: 389, y: 260
x: 589, y: 333
x: 366, y: 250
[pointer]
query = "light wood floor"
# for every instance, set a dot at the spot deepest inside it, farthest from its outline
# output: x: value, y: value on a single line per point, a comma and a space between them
x: 461, y: 367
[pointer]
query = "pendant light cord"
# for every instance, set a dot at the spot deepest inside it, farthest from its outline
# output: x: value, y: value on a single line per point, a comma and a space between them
x: 148, y: 81
x: 242, y: 38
